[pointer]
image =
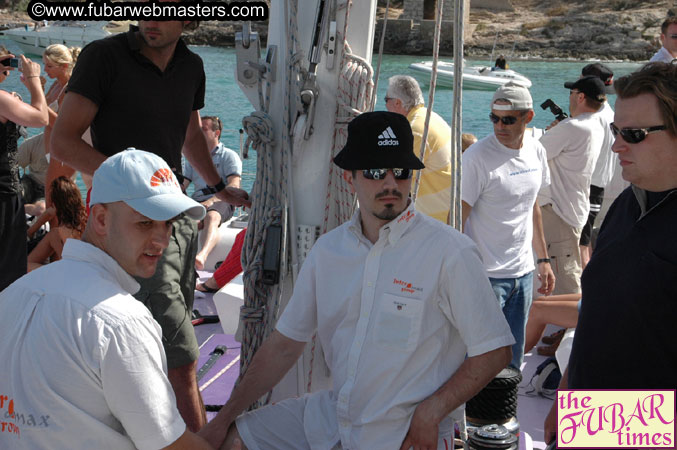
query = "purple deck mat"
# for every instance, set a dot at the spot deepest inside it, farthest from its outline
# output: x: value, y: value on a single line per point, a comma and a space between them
x: 217, y: 384
x: 215, y: 391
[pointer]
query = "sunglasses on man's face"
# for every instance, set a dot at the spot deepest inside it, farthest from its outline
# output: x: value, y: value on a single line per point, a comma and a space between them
x: 634, y: 135
x: 380, y: 174
x: 506, y: 120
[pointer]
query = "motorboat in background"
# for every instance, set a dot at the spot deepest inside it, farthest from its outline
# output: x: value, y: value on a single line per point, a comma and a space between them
x: 474, y: 77
x: 33, y: 40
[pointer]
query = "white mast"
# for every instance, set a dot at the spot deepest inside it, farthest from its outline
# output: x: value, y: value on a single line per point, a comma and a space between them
x: 296, y: 89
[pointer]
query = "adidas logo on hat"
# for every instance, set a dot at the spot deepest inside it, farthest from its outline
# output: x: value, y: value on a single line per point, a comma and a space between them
x: 365, y: 148
x: 387, y: 137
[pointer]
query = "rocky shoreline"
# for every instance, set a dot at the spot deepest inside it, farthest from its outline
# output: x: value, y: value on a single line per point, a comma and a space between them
x: 535, y: 29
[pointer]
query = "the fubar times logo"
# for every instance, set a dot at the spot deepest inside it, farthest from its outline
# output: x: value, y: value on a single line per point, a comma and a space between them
x: 616, y: 419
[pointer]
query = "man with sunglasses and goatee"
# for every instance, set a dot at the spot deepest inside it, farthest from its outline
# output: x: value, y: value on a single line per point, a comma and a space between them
x: 573, y: 146
x: 502, y: 175
x: 398, y: 300
x: 625, y: 333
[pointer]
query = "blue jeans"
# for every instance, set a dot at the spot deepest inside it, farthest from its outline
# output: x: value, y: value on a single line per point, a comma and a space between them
x: 515, y: 296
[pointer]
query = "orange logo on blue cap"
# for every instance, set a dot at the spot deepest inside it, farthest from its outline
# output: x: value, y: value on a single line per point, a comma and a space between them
x: 163, y: 176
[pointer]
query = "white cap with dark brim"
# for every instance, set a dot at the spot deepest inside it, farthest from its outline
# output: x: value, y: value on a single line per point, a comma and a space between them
x: 145, y: 182
x: 515, y: 94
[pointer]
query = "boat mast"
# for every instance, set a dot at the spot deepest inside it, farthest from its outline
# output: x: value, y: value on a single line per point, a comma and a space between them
x: 312, y: 82
x: 456, y: 118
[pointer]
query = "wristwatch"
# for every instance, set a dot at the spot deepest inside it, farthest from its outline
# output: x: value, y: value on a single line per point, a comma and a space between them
x: 543, y: 260
x: 218, y: 187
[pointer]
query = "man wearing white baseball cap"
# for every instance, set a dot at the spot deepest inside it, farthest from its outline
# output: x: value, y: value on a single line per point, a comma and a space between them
x: 80, y: 355
x: 502, y: 176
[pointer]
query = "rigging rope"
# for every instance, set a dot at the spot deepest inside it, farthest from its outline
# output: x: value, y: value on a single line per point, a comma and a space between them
x: 380, y: 56
x: 270, y: 199
x: 354, y: 96
x: 457, y: 123
x: 431, y: 95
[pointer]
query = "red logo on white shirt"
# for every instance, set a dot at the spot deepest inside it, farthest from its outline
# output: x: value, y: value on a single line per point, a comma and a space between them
x: 407, y: 287
x: 7, y: 404
x: 407, y: 217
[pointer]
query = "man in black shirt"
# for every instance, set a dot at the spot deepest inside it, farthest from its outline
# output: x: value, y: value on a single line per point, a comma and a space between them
x: 625, y: 333
x: 143, y: 89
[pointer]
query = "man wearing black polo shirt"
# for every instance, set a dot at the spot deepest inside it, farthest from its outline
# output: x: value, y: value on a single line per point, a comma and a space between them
x: 144, y: 89
x: 625, y: 337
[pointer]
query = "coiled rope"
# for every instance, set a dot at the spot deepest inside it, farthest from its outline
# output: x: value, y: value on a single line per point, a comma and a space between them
x: 270, y: 200
x: 354, y: 96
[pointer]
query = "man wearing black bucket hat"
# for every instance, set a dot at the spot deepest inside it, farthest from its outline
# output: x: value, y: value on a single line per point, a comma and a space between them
x: 572, y: 146
x: 397, y: 300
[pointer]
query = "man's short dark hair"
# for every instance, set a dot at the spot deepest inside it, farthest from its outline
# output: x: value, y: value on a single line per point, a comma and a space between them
x: 667, y: 22
x: 659, y: 79
x: 593, y: 104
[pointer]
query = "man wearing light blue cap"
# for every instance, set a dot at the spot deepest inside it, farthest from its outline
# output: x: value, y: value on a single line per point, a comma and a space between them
x: 80, y: 355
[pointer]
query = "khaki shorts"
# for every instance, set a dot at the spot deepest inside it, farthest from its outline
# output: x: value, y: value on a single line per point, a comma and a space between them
x: 565, y: 255
x: 169, y: 294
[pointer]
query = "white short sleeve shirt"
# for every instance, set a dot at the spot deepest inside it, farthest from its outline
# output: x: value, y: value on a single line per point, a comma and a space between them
x: 573, y: 147
x: 395, y: 320
x: 501, y: 184
x: 82, y: 360
x: 606, y: 162
x: 226, y: 162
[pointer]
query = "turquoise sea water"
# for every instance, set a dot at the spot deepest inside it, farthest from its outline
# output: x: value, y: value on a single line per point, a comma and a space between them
x: 224, y: 98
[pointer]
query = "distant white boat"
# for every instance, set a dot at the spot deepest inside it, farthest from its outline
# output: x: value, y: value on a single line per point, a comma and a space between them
x: 34, y: 40
x: 474, y: 77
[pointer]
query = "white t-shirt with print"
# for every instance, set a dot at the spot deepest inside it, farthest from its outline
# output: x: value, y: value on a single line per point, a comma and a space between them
x: 501, y: 184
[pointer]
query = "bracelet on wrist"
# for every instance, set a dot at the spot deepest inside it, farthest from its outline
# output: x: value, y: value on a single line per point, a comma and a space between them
x: 543, y: 260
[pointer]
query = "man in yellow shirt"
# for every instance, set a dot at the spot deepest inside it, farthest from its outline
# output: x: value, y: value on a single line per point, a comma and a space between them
x: 404, y: 96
